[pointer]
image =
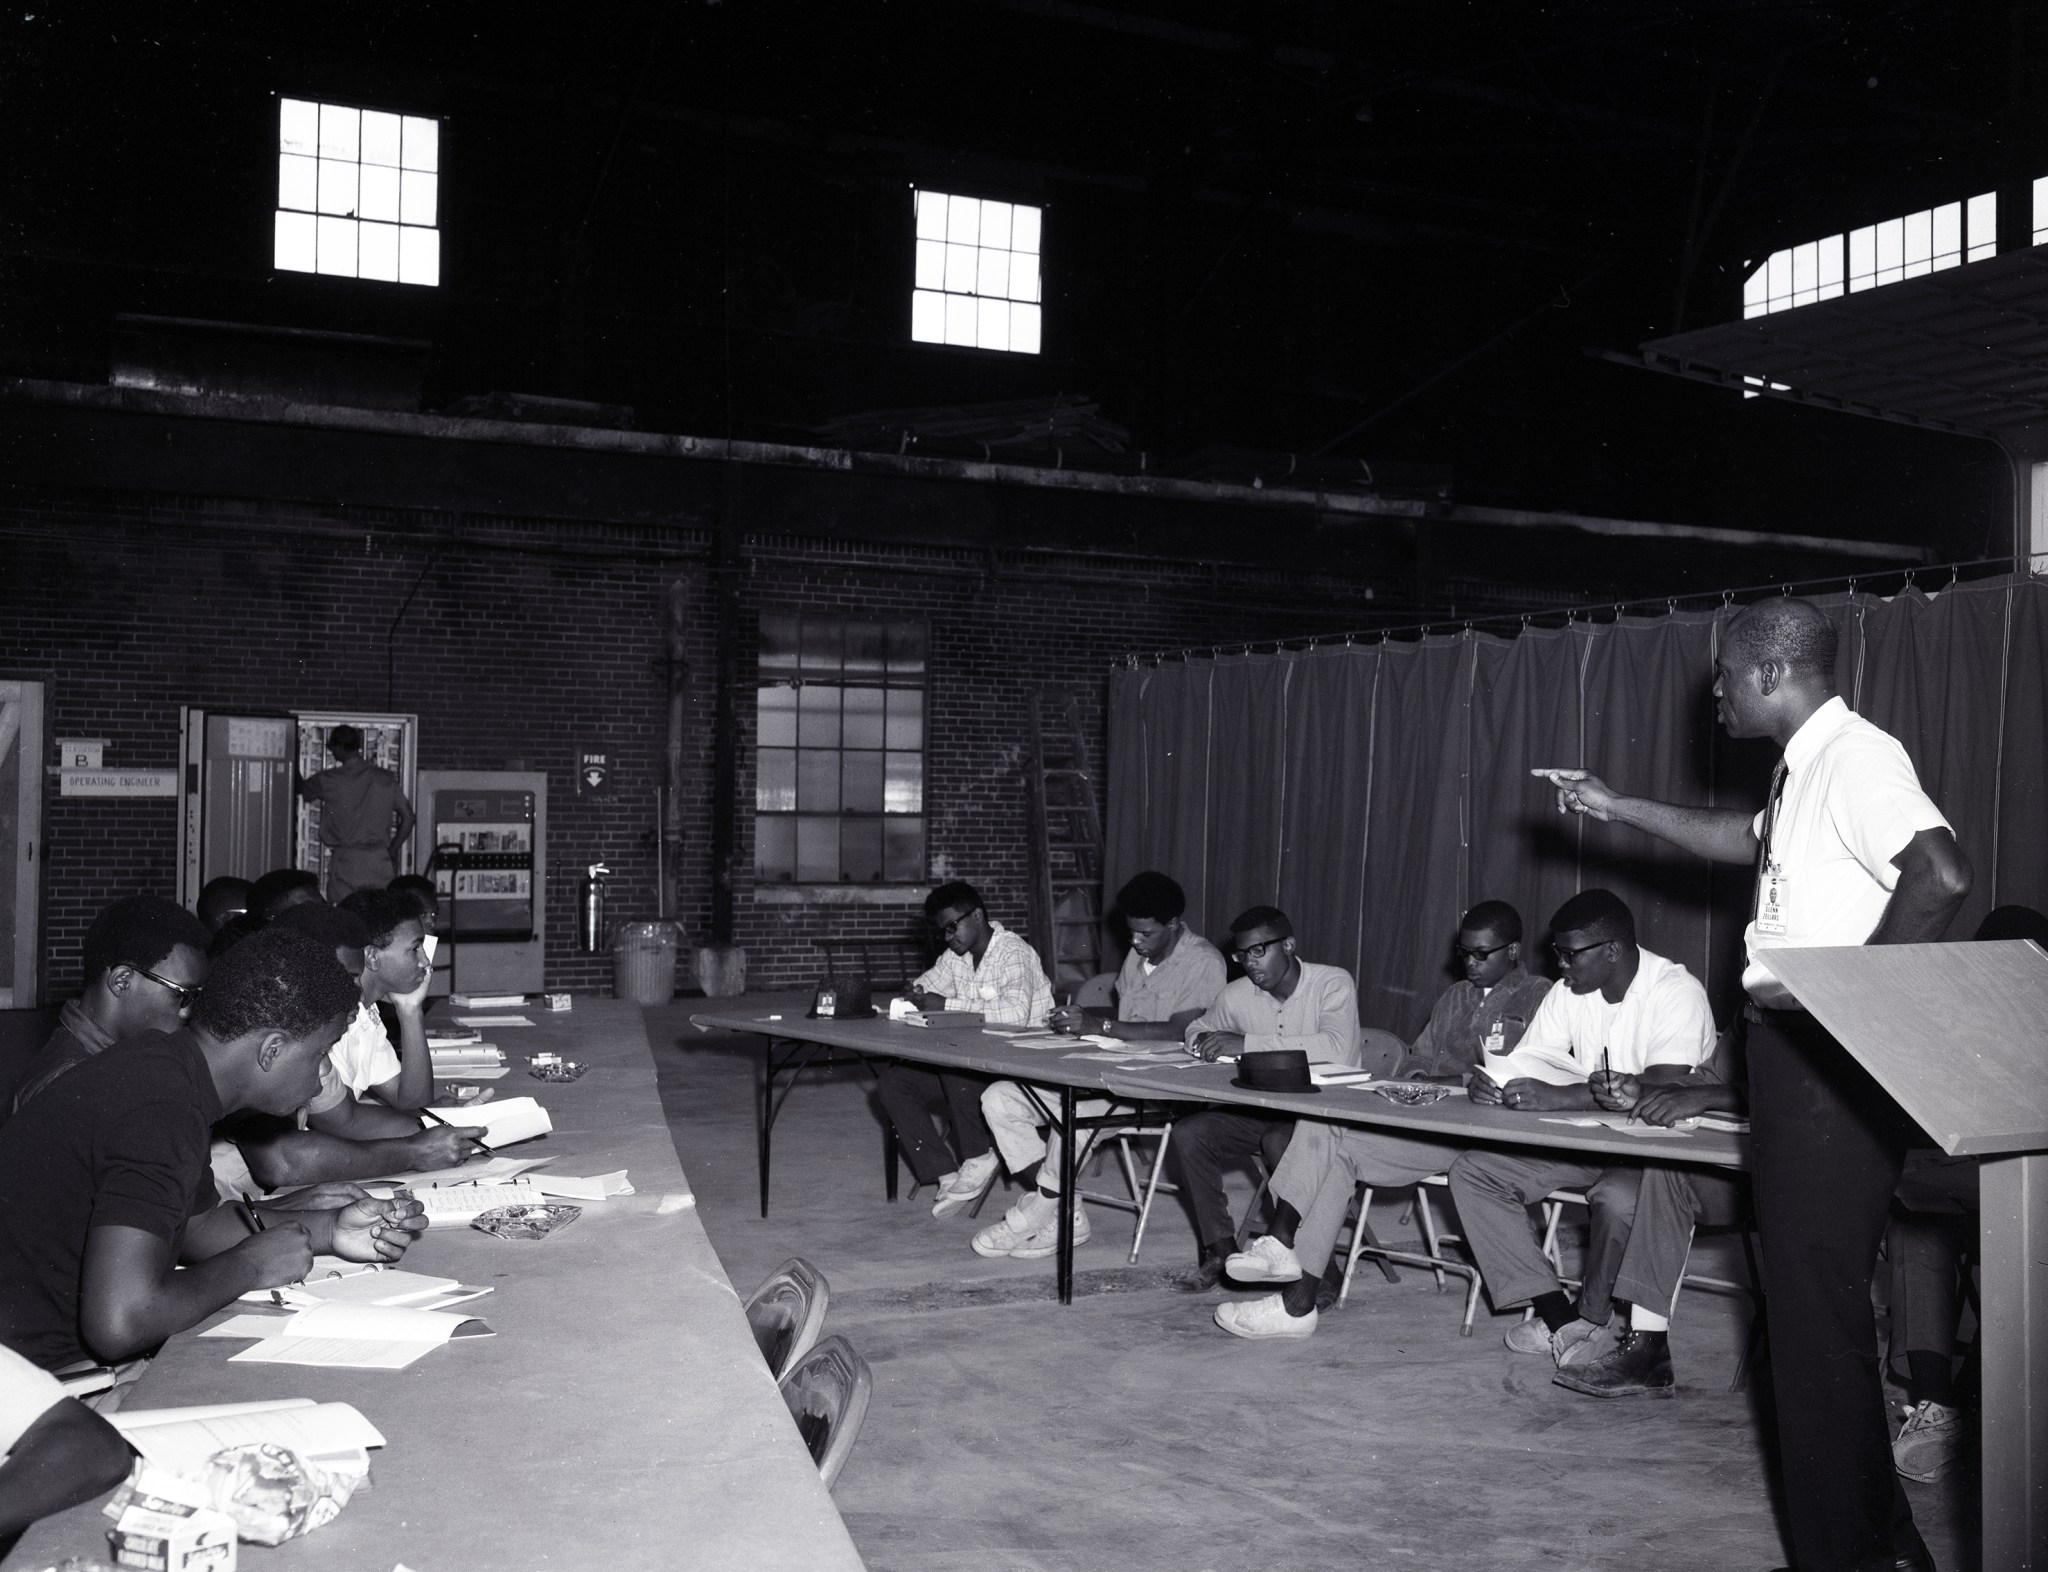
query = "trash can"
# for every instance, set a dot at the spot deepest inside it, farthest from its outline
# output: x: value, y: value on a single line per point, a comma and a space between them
x: 644, y: 962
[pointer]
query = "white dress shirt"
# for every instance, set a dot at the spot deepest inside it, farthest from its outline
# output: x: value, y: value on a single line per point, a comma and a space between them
x: 1850, y: 803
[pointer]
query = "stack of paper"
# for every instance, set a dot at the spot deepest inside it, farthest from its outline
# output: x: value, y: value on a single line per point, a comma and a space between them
x: 602, y: 1187
x: 182, y: 1439
x: 485, y: 1001
x: 495, y: 1020
x: 452, y: 1036
x: 345, y: 1336
x: 511, y: 1120
x: 478, y: 1061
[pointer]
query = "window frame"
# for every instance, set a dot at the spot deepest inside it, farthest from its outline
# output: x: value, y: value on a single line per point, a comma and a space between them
x: 841, y: 679
x: 301, y: 225
x: 926, y: 294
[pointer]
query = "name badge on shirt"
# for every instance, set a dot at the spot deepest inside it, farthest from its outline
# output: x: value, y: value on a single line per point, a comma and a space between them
x: 1496, y: 1038
x: 1773, y: 897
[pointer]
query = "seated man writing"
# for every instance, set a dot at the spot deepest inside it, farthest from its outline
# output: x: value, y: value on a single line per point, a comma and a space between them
x: 985, y: 968
x: 1486, y: 1012
x: 1619, y: 1009
x: 1167, y: 980
x: 104, y: 1185
x: 1281, y: 1002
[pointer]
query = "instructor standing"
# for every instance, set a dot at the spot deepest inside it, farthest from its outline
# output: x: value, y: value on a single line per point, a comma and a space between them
x: 1848, y: 850
x: 364, y: 817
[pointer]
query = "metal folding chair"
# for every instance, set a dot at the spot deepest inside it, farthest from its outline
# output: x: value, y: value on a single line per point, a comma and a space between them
x: 827, y: 1392
x: 787, y: 1312
x: 1432, y: 1257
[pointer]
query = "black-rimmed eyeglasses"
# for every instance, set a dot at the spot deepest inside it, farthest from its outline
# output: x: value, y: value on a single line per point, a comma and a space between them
x: 1469, y: 953
x: 948, y: 929
x: 186, y: 993
x: 1567, y: 957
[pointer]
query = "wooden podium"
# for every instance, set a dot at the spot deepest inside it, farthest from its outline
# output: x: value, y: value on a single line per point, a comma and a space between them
x: 1958, y: 1035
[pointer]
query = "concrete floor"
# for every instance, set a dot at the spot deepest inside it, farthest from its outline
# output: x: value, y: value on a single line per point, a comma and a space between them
x: 1010, y: 1434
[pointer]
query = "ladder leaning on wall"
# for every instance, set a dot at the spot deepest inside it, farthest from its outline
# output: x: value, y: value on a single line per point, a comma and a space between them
x: 1066, y: 842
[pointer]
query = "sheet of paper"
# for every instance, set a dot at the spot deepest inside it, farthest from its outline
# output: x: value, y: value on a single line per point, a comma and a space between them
x: 1620, y: 1123
x: 184, y: 1443
x: 127, y: 1419
x: 492, y: 1170
x: 333, y: 1353
x: 451, y: 1205
x: 597, y: 1188
x: 494, y: 1020
x: 381, y: 1288
x: 509, y: 1120
x: 372, y: 1322
x: 249, y: 1326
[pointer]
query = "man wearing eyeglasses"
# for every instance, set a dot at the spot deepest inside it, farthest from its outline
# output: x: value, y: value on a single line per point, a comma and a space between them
x: 1620, y: 1011
x: 1485, y: 1013
x: 985, y: 968
x: 1169, y: 978
x: 145, y: 964
x: 1281, y: 1002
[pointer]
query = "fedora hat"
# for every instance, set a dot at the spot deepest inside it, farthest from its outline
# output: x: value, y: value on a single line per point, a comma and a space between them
x: 1283, y: 1071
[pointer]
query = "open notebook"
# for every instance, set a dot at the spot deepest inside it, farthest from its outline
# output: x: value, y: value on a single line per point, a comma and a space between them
x: 348, y: 1336
x: 504, y: 1122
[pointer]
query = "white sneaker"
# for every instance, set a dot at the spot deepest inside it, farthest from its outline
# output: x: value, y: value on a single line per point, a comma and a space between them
x: 962, y: 1188
x: 1930, y: 1442
x: 1030, y: 1213
x: 1265, y: 1316
x: 1264, y: 1260
x: 1047, y: 1240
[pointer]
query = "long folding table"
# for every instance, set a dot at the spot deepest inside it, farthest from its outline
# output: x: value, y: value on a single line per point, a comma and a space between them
x: 623, y: 1415
x: 1455, y: 1118
x: 790, y: 1042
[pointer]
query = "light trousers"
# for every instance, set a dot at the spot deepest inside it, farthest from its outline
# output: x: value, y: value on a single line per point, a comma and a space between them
x: 1014, y: 1120
x: 1325, y: 1163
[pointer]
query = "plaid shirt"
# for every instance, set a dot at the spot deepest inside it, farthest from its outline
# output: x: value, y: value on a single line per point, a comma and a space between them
x: 1008, y: 987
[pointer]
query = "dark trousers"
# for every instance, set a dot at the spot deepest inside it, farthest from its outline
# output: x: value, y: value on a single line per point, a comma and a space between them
x: 1207, y: 1143
x: 1826, y: 1149
x: 913, y: 1099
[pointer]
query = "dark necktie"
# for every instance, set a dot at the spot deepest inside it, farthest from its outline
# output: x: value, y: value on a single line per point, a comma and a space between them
x: 1763, y: 845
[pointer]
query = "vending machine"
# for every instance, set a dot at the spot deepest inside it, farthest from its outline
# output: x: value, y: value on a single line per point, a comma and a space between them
x: 481, y: 836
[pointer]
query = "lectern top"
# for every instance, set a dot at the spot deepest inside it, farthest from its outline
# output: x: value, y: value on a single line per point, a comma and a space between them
x: 1956, y: 1033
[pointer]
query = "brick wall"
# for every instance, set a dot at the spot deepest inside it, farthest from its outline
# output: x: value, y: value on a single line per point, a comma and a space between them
x: 525, y: 640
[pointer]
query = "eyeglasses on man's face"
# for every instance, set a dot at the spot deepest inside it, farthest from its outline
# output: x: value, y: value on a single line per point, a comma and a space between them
x: 948, y: 929
x: 1256, y: 952
x: 187, y: 994
x: 1569, y: 957
x: 1478, y: 955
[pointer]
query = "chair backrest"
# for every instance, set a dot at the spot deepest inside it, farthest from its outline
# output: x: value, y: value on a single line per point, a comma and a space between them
x: 1098, y: 992
x: 827, y: 1392
x: 1379, y: 1051
x: 787, y: 1312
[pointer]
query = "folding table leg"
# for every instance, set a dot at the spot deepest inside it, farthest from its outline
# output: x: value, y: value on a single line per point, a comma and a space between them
x: 1068, y: 1167
x: 2013, y: 1257
x: 765, y: 1115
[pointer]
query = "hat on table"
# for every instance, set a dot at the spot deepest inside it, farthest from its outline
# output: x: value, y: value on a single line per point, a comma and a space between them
x: 1285, y: 1070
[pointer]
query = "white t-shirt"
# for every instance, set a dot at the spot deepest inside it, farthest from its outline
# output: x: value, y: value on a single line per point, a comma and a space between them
x: 27, y: 1392
x: 364, y: 1057
x: 1662, y: 1019
x: 1850, y: 803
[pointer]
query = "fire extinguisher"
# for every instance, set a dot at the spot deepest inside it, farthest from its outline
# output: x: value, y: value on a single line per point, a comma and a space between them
x: 593, y: 906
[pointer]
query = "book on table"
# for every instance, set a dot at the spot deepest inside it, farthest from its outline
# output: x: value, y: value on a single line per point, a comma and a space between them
x: 505, y: 1122
x: 182, y: 1439
x: 348, y: 1336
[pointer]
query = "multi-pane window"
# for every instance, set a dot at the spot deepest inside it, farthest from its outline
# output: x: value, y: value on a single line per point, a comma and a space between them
x: 358, y: 193
x: 1899, y: 248
x: 839, y: 761
x: 977, y: 273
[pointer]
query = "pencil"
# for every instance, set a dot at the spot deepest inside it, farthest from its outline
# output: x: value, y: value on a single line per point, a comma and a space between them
x: 252, y: 1217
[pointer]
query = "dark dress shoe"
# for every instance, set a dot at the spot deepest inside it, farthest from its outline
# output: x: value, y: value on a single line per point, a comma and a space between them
x: 1640, y: 1365
x: 1201, y: 1277
x: 1331, y: 1286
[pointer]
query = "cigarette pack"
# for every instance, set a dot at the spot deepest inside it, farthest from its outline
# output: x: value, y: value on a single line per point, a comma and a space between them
x: 161, y: 1525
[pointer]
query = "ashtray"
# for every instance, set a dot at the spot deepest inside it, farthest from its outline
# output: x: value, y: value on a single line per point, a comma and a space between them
x: 553, y: 1067
x: 533, y: 1221
x: 1414, y: 1094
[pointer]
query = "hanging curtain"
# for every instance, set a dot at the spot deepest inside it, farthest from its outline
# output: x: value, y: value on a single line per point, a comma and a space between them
x: 1374, y: 792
